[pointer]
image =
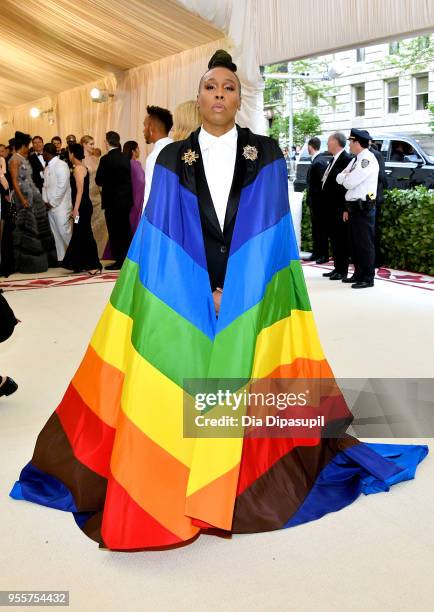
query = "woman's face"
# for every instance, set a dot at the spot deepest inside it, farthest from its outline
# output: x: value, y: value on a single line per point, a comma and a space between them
x: 219, y: 97
x: 89, y: 147
x: 136, y: 153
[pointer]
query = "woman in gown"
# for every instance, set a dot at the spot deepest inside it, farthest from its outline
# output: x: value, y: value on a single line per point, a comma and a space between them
x: 132, y: 151
x: 212, y: 288
x: 99, y: 227
x: 82, y: 251
x: 33, y: 242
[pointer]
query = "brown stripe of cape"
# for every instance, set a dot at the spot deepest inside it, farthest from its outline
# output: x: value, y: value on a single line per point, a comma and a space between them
x: 275, y: 496
x: 53, y: 455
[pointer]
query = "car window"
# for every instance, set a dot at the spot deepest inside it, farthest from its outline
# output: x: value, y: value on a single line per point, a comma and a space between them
x: 403, y: 152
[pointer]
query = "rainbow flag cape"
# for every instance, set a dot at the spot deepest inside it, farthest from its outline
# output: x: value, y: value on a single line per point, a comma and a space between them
x: 113, y: 453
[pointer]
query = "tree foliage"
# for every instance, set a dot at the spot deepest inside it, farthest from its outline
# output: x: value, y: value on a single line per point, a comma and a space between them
x: 413, y: 55
x: 306, y: 123
x: 431, y: 112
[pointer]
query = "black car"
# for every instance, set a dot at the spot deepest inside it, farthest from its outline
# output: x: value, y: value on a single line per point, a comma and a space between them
x: 409, y: 160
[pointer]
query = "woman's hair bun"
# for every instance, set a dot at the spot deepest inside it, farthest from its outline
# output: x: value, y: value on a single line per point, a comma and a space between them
x: 221, y: 58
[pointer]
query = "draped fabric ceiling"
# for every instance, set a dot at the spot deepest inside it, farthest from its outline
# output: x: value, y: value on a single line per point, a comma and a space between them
x: 154, y: 52
x: 49, y: 46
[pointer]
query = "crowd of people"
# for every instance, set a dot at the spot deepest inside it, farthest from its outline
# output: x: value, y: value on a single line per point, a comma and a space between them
x: 345, y: 194
x: 72, y: 207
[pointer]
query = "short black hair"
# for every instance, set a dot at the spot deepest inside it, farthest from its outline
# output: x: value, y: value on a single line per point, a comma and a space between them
x: 2, y: 145
x: 50, y: 148
x: 37, y: 137
x: 77, y: 150
x: 161, y: 114
x: 57, y: 138
x: 315, y: 143
x: 113, y: 139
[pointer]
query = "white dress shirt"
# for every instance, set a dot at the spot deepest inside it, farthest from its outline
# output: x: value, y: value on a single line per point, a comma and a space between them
x: 360, y: 177
x: 56, y: 189
x: 150, y: 165
x: 43, y: 164
x: 218, y: 155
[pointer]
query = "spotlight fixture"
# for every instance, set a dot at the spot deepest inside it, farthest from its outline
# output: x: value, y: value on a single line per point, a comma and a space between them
x: 36, y: 112
x: 100, y: 95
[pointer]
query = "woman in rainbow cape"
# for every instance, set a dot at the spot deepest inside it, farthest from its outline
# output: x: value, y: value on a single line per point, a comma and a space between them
x: 212, y: 289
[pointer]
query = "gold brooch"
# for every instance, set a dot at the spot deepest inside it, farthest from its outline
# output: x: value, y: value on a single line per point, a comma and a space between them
x: 250, y: 152
x: 189, y: 157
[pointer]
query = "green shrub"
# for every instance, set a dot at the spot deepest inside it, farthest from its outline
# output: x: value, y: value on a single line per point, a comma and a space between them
x: 407, y: 229
x: 406, y: 226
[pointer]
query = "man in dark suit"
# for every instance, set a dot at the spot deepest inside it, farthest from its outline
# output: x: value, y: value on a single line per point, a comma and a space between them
x: 382, y: 185
x: 320, y: 250
x: 114, y: 177
x: 36, y: 160
x: 333, y: 196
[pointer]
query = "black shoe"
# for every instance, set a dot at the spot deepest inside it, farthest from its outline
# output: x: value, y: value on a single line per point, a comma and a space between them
x: 362, y: 285
x: 329, y: 273
x: 351, y: 279
x: 115, y: 266
x: 322, y: 260
x: 338, y: 276
x: 310, y: 258
x: 8, y: 387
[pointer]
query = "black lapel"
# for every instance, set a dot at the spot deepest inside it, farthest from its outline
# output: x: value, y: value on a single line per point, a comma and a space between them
x: 239, y: 175
x: 204, y: 196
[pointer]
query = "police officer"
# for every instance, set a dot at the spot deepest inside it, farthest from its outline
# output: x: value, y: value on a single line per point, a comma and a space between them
x: 360, y: 179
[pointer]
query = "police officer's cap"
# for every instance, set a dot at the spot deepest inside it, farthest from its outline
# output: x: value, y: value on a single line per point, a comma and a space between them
x: 361, y: 136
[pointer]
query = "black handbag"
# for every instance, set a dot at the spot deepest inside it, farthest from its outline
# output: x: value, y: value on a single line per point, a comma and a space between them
x: 7, y: 320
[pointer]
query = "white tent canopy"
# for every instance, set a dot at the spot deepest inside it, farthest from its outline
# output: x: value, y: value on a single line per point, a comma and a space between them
x: 154, y: 52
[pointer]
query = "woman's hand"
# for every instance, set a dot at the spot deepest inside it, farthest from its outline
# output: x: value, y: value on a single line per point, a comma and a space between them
x: 345, y: 217
x: 217, y: 297
x: 74, y: 213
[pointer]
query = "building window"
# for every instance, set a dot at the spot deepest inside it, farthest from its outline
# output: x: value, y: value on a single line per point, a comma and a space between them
x: 313, y: 100
x: 360, y: 54
x: 394, y: 47
x: 359, y: 99
x: 392, y: 88
x: 421, y: 89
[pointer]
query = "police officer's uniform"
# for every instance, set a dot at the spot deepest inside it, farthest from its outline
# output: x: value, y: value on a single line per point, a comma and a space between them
x: 360, y: 178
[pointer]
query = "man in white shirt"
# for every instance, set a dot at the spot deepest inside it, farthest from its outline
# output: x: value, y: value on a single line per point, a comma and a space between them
x: 56, y: 193
x: 360, y: 179
x: 156, y: 127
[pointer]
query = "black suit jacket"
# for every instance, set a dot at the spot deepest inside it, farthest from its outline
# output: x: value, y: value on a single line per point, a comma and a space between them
x: 114, y: 177
x: 333, y: 194
x: 37, y: 168
x: 217, y: 243
x: 313, y: 179
x: 382, y: 179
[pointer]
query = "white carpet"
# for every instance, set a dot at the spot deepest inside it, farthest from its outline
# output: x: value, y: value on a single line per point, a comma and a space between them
x: 374, y: 555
